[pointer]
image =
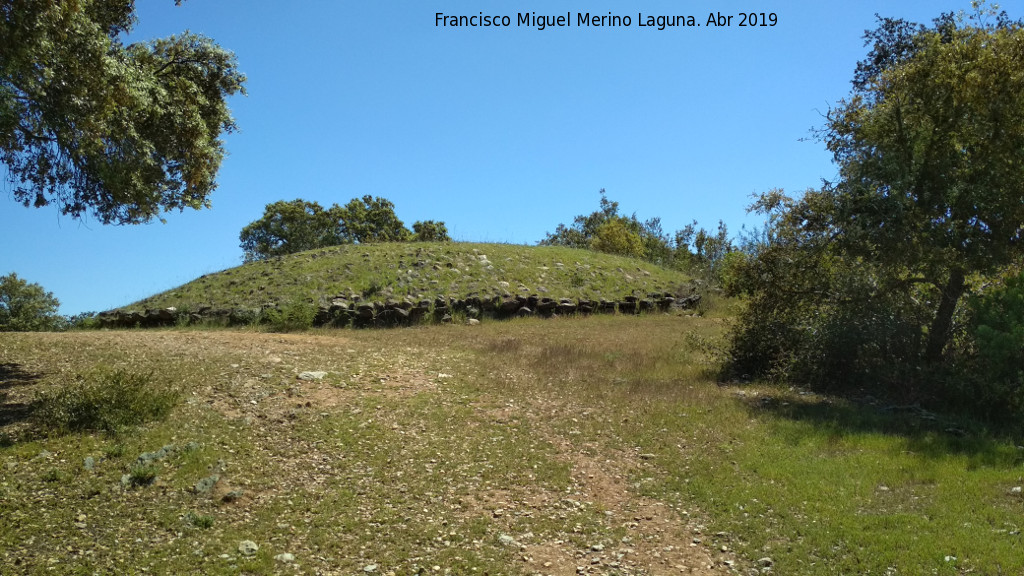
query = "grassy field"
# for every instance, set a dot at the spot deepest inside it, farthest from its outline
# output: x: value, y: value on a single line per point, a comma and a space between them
x: 600, y: 445
x: 421, y: 270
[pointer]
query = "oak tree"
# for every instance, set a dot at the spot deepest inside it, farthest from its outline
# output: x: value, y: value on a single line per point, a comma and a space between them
x: 26, y: 306
x: 95, y: 125
x: 930, y: 146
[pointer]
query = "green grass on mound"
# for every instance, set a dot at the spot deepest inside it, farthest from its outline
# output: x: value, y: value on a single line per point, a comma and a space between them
x: 421, y: 270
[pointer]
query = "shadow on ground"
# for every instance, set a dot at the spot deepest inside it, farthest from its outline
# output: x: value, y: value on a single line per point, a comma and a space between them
x: 925, y: 433
x: 13, y: 413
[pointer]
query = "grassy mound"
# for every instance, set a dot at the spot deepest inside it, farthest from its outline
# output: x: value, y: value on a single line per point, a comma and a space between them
x: 421, y: 270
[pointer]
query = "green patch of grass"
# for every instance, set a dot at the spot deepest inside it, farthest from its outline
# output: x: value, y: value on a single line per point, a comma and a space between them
x: 103, y: 400
x: 142, y: 475
x: 52, y: 475
x: 424, y: 446
x: 201, y: 521
x: 416, y: 270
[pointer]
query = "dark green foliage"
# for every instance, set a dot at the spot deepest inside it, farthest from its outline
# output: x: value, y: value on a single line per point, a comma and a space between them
x: 142, y: 475
x: 98, y: 127
x: 202, y: 521
x: 289, y: 227
x: 104, y: 400
x: 995, y: 363
x: 292, y: 316
x: 862, y: 284
x: 929, y: 147
x: 298, y: 225
x: 430, y: 231
x: 81, y: 321
x: 815, y: 315
x: 606, y: 230
x: 369, y: 220
x: 26, y: 307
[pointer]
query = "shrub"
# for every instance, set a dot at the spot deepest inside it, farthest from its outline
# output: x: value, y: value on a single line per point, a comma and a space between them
x: 994, y: 375
x: 290, y: 317
x: 613, y: 237
x: 141, y: 475
x: 103, y: 400
x: 202, y: 521
x: 81, y: 321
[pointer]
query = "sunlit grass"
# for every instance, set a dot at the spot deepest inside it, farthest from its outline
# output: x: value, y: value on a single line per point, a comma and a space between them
x: 420, y: 271
x: 422, y: 447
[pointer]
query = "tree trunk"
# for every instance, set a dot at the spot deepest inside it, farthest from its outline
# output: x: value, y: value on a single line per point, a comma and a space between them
x: 939, y: 333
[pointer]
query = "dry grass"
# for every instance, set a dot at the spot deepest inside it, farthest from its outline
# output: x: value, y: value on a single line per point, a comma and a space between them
x: 596, y: 446
x: 420, y: 448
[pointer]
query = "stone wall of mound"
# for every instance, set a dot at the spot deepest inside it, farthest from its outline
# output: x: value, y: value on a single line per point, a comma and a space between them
x: 353, y: 310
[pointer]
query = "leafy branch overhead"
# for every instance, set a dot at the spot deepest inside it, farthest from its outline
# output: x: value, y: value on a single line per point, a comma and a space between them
x: 96, y: 126
x: 293, y: 226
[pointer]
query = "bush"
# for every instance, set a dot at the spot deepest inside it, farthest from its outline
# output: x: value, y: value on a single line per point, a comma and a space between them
x: 994, y: 375
x: 290, y: 317
x: 103, y: 400
x: 81, y: 321
x: 26, y: 307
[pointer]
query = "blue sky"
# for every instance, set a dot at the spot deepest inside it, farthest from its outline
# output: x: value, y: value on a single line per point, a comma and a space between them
x: 503, y: 133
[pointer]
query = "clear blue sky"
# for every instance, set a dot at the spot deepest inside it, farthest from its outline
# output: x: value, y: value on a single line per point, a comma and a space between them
x: 502, y: 133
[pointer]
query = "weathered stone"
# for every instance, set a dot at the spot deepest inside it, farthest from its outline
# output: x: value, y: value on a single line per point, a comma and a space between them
x: 232, y: 496
x: 248, y: 548
x: 566, y: 308
x: 204, y: 485
x: 546, y: 307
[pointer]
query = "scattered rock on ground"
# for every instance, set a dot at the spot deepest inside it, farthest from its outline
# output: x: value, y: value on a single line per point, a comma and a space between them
x: 312, y: 375
x: 248, y: 547
x: 207, y: 484
x: 232, y: 496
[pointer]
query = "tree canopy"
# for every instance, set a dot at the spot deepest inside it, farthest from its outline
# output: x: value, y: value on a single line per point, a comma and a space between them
x: 96, y: 126
x: 930, y: 146
x: 288, y: 227
x: 864, y: 280
x: 25, y: 306
x: 606, y: 230
x: 293, y: 226
x: 430, y: 231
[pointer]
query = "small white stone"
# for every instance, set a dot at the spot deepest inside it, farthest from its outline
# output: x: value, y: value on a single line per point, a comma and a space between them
x: 312, y: 375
